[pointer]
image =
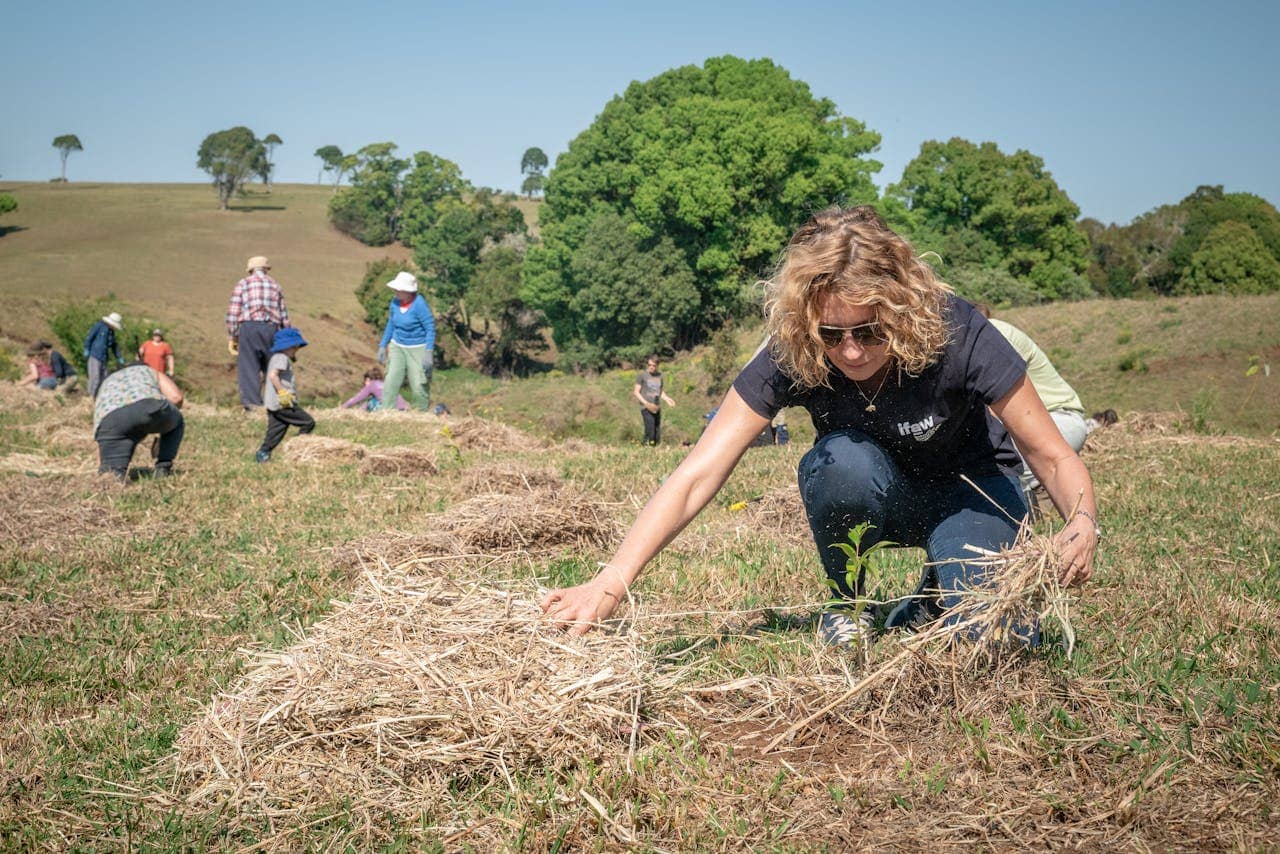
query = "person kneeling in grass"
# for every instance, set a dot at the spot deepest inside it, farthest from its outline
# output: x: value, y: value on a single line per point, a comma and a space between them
x: 897, y: 374
x: 281, y: 396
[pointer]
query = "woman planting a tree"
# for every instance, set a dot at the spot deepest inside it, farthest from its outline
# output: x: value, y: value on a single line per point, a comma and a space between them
x: 902, y: 380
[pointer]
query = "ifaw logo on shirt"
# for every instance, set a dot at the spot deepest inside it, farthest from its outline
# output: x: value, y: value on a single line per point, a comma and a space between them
x: 921, y: 430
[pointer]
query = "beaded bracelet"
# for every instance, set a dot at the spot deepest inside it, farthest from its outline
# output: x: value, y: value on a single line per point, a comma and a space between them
x: 1097, y: 529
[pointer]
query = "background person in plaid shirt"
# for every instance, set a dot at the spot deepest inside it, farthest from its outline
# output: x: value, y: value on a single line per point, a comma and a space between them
x: 255, y: 313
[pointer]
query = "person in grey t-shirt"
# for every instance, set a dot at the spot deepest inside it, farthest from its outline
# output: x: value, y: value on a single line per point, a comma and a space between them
x: 648, y: 391
x: 281, y: 397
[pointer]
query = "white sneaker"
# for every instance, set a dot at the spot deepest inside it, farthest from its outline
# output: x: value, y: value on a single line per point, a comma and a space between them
x: 842, y: 628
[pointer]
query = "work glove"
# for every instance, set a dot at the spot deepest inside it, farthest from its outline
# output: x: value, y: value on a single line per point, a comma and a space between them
x: 428, y: 362
x: 233, y: 346
x: 119, y: 362
x: 86, y: 355
x: 287, y: 399
x: 382, y: 355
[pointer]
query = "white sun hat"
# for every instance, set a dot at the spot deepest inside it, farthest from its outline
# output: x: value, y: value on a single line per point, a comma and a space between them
x: 114, y: 321
x: 404, y: 281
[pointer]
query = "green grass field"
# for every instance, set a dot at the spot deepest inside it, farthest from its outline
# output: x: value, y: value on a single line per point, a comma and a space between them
x: 131, y: 615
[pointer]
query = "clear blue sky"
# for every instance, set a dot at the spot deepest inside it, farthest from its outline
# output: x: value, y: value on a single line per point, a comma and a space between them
x: 1130, y: 105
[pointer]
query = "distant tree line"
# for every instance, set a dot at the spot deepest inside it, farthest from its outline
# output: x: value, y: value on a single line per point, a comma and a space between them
x: 1210, y: 242
x: 660, y: 219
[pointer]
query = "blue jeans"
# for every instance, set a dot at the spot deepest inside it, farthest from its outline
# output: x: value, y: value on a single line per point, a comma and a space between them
x: 846, y: 479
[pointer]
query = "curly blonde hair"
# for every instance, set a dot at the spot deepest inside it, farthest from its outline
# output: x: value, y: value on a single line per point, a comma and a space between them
x: 851, y: 255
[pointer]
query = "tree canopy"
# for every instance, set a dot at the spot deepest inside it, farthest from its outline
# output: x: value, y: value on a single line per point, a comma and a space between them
x: 330, y: 161
x: 710, y: 169
x: 978, y: 207
x: 1155, y: 252
x: 532, y: 165
x: 369, y: 210
x: 1231, y: 259
x: 231, y: 157
x: 66, y: 144
x: 534, y: 160
x: 271, y: 140
x: 7, y: 203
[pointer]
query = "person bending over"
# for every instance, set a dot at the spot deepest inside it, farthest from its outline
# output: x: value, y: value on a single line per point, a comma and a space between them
x: 133, y: 403
x: 897, y: 374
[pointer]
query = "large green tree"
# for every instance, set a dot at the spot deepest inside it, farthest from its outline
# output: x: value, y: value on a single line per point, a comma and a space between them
x: 711, y: 168
x: 7, y: 203
x: 369, y: 210
x: 1232, y: 259
x: 979, y: 207
x: 231, y: 157
x: 1208, y: 207
x: 66, y: 144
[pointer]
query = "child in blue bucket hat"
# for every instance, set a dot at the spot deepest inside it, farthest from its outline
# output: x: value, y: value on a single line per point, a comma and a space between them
x: 281, y: 397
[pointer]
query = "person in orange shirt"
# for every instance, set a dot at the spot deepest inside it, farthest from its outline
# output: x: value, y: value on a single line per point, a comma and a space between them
x: 156, y: 353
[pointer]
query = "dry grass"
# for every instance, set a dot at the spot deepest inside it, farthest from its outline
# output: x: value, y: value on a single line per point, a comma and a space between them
x: 420, y: 708
x: 321, y: 450
x: 53, y: 512
x: 509, y: 478
x: 780, y: 513
x: 41, y: 465
x: 418, y: 686
x: 480, y: 434
x: 495, y: 525
x: 405, y: 462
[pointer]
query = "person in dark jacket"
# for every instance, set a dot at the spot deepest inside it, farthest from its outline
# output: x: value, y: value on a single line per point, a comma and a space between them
x: 98, y: 344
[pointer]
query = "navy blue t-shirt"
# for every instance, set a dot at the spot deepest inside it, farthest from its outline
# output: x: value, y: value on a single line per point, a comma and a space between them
x: 936, y: 425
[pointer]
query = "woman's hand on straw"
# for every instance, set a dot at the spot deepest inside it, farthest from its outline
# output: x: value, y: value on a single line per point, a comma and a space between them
x: 582, y: 608
x: 1076, y: 543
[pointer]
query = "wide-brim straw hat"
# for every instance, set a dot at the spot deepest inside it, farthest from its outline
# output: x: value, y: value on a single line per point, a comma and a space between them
x: 404, y: 281
x: 114, y: 320
x: 257, y: 261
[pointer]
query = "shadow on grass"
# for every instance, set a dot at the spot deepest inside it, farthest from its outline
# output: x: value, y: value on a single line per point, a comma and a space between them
x: 9, y: 229
x: 250, y: 208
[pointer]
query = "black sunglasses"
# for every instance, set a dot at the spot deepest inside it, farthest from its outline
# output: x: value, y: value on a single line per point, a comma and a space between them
x: 864, y: 334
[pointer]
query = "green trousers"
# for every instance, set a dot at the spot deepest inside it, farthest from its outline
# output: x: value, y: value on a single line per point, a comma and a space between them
x: 405, y: 363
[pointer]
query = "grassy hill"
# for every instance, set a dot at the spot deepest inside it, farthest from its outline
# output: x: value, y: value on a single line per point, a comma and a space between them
x: 169, y: 254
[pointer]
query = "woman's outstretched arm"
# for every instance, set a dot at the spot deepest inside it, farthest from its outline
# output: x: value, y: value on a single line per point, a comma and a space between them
x: 680, y: 498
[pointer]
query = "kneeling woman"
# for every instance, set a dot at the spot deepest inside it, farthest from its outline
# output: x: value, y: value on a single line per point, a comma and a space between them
x: 901, y: 379
x: 133, y: 403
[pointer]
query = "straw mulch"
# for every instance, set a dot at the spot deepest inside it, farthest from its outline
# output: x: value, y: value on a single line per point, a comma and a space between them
x: 359, y: 414
x: 479, y: 434
x: 311, y: 448
x: 954, y: 720
x: 13, y: 396
x: 319, y: 450
x: 539, y: 521
x: 417, y: 686
x: 403, y: 461
x: 509, y: 478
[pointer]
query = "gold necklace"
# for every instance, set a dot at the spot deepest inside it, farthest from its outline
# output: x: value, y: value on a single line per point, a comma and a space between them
x: 871, y: 401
